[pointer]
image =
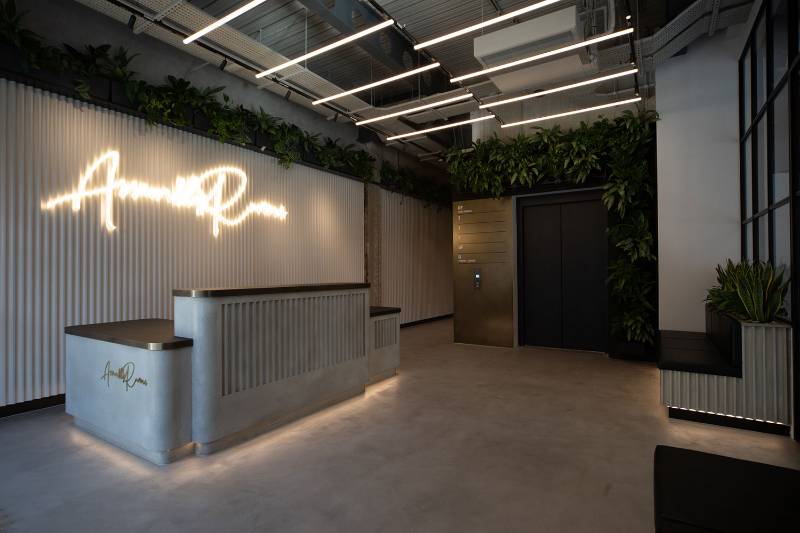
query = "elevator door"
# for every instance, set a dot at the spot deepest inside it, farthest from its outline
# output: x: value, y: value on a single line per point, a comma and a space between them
x: 563, y: 270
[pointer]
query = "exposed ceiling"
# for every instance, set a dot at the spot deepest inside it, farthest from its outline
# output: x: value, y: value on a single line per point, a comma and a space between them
x: 278, y: 30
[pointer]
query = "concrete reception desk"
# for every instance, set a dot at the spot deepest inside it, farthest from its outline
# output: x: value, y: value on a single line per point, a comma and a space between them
x: 234, y: 363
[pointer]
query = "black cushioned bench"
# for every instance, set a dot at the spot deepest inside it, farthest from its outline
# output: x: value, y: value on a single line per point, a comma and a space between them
x: 701, y: 492
x: 717, y: 351
x: 695, y: 352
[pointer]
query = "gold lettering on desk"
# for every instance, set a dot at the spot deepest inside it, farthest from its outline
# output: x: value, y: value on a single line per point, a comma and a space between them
x: 125, y: 373
x: 205, y: 194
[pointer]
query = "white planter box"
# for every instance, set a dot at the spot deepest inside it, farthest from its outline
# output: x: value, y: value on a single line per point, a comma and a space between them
x: 763, y: 393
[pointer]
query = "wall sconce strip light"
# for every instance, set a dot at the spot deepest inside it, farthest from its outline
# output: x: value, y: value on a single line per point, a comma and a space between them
x: 224, y: 20
x: 327, y: 48
x: 568, y: 113
x: 560, y: 89
x: 544, y: 55
x: 416, y: 109
x: 475, y: 27
x: 437, y: 128
x: 376, y: 83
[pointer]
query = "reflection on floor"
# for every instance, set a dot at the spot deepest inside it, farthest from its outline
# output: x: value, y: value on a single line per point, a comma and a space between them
x: 466, y: 438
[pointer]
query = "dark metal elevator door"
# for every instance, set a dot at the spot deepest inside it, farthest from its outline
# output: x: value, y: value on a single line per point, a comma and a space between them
x: 563, y: 272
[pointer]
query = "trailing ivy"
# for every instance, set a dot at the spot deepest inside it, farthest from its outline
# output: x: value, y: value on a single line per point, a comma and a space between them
x: 620, y: 151
x: 177, y: 102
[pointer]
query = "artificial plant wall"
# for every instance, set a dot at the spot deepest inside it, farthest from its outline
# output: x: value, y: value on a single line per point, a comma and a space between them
x: 621, y: 152
x: 102, y: 73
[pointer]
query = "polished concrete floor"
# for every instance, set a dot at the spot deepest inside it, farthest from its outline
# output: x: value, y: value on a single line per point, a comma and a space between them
x: 465, y: 438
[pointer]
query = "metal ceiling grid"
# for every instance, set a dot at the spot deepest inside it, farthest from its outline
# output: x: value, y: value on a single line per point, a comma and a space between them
x: 228, y: 40
x: 291, y: 30
x: 426, y: 19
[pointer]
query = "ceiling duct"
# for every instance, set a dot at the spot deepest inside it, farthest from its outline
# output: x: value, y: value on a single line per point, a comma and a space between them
x: 586, y: 19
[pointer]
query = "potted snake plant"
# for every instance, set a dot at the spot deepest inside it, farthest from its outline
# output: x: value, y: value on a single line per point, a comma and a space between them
x: 746, y: 316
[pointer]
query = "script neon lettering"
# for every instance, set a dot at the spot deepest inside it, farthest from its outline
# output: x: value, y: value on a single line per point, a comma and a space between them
x: 205, y: 193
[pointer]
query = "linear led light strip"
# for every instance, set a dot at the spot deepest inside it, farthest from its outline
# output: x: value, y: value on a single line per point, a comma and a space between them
x: 376, y: 83
x: 224, y: 20
x: 437, y: 128
x: 326, y: 48
x: 560, y: 89
x: 568, y: 113
x: 725, y: 414
x: 544, y: 55
x: 475, y: 27
x: 415, y: 109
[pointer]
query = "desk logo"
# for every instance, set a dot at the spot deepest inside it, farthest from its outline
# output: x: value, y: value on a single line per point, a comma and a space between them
x: 126, y: 374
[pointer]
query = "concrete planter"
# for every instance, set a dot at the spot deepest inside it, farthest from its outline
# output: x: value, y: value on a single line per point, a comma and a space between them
x: 763, y: 393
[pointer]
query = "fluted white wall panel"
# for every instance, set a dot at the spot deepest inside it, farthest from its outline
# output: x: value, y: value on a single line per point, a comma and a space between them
x: 277, y: 338
x: 764, y: 391
x: 416, y: 257
x: 59, y: 268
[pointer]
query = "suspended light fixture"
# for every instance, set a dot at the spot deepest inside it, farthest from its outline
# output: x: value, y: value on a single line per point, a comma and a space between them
x: 490, y: 22
x: 376, y: 83
x: 560, y: 89
x: 575, y: 112
x: 544, y: 55
x: 415, y: 109
x: 224, y: 20
x: 437, y: 128
x: 326, y: 48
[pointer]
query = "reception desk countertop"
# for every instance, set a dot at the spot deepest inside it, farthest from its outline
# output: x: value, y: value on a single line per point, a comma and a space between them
x: 252, y: 291
x: 148, y: 334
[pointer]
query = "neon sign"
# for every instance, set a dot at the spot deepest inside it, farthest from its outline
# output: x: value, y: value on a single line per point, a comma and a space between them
x: 205, y: 193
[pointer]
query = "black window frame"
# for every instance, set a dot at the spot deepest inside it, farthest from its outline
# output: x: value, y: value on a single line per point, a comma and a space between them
x: 766, y: 215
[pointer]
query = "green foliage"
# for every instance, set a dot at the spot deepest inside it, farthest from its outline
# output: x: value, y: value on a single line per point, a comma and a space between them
x: 230, y: 123
x: 406, y: 182
x: 619, y: 150
x: 179, y: 103
x: 87, y: 64
x: 288, y: 140
x: 13, y: 33
x: 749, y: 291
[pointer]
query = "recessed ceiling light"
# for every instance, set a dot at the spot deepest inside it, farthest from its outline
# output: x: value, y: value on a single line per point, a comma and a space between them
x: 376, y: 83
x: 560, y: 89
x: 543, y: 55
x: 437, y: 128
x: 326, y: 48
x: 224, y: 20
x: 475, y: 27
x: 415, y: 109
x: 568, y: 113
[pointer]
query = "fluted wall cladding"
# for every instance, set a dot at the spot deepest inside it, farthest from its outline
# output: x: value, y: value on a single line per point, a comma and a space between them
x: 763, y: 393
x: 262, y: 342
x: 416, y: 257
x: 61, y: 267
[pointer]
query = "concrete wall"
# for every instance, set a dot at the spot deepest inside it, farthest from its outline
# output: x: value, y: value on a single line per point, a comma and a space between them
x: 698, y: 175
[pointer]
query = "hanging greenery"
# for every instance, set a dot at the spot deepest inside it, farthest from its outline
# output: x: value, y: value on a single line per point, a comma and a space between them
x: 621, y: 152
x: 100, y: 73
